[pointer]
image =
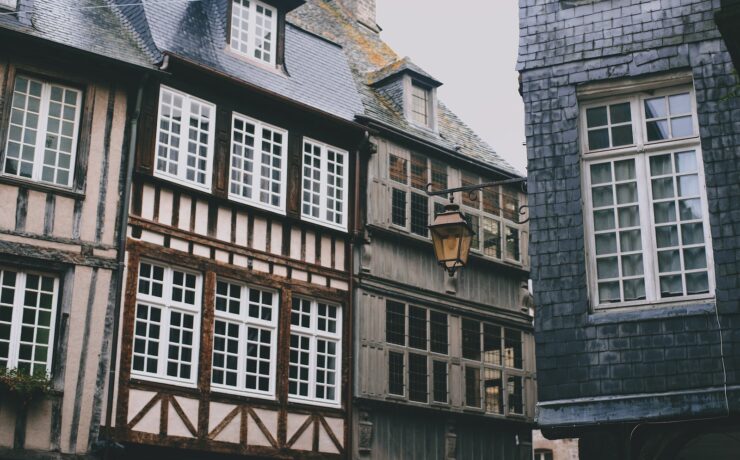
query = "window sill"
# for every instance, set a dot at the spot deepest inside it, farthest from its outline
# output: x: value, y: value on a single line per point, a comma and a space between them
x: 162, y: 380
x: 314, y: 402
x: 324, y: 223
x: 647, y: 312
x: 247, y: 59
x: 42, y: 187
x: 183, y: 182
x: 217, y: 389
x: 257, y: 204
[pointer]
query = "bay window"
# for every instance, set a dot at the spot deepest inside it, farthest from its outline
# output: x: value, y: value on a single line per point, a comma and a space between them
x: 647, y: 231
x: 409, y: 176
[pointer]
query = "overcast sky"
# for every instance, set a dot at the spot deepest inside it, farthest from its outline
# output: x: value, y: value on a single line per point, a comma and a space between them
x: 470, y: 46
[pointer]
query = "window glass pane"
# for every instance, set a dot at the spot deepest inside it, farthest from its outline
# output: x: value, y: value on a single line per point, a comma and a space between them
x: 326, y: 369
x: 438, y: 331
x: 609, y: 292
x: 601, y: 173
x: 690, y: 234
x: 634, y: 289
x: 420, y: 105
x: 598, y: 139
x: 146, y: 338
x: 655, y: 107
x: 395, y: 373
x: 473, y: 221
x: 513, y: 350
x: 596, y: 116
x: 418, y: 378
x: 335, y: 186
x: 242, y: 157
x: 259, y: 354
x: 685, y: 161
x: 417, y: 327
x: 472, y: 386
x: 491, y: 344
x: 439, y: 369
x: 682, y: 127
x: 271, y: 189
x: 657, y: 130
x: 471, y: 339
x: 622, y: 135
x: 606, y: 244
x: 671, y: 286
x: 492, y: 391
x: 688, y: 186
x: 419, y: 171
x: 419, y: 214
x: 264, y: 32
x: 679, y: 103
x: 397, y: 169
x: 398, y: 211
x: 299, y: 369
x: 491, y: 198
x: 395, y: 323
x: 491, y: 238
x: 666, y: 236
x: 515, y: 393
x: 300, y: 315
x: 512, y: 243
x: 180, y: 352
x: 240, y: 25
x: 620, y: 113
x: 511, y: 204
x: 471, y: 198
x: 439, y: 175
x: 697, y: 283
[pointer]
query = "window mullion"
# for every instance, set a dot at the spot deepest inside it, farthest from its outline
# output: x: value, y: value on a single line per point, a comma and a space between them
x: 323, y: 198
x: 182, y: 154
x: 257, y: 160
x: 15, y: 322
x: 38, y: 156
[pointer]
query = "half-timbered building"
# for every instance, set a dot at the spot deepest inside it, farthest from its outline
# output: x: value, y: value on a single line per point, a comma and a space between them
x: 68, y: 81
x: 444, y: 367
x: 236, y: 317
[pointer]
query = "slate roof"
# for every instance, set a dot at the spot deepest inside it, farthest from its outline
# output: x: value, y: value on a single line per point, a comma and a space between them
x: 316, y: 71
x: 87, y: 25
x: 400, y: 66
x: 370, y: 57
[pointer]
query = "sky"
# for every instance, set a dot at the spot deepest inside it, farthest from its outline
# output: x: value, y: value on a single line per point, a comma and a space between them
x: 470, y: 46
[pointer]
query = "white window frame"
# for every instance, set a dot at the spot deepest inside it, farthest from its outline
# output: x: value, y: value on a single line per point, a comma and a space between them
x: 184, y: 135
x: 314, y: 334
x: 641, y: 150
x: 428, y: 102
x: 254, y: 200
x: 323, y: 197
x: 16, y: 322
x: 42, y: 132
x: 167, y: 306
x: 244, y: 321
x: 251, y: 45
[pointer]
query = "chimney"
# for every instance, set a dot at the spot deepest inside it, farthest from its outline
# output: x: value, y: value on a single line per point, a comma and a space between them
x: 363, y: 11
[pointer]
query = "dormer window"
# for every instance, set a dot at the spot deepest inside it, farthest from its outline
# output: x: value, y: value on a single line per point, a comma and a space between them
x: 420, y: 110
x: 254, y: 30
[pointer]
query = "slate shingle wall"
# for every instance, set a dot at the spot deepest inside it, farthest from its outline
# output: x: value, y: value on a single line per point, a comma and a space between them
x: 567, y: 43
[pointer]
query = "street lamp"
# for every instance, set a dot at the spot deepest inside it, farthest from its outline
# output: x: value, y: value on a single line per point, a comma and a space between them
x: 451, y: 237
x: 451, y: 233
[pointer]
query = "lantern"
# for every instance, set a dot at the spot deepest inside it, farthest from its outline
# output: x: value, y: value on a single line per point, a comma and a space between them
x: 451, y: 236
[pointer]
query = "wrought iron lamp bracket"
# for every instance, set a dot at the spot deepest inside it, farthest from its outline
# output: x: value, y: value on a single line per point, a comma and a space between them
x: 471, y: 189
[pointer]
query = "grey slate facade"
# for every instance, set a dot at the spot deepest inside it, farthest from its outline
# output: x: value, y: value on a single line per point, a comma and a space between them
x: 626, y: 366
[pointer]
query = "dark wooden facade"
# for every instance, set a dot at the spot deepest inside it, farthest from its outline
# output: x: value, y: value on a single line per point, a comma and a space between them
x: 212, y: 235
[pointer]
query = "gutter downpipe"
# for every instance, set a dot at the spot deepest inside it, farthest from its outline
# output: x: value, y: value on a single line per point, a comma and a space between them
x: 121, y: 259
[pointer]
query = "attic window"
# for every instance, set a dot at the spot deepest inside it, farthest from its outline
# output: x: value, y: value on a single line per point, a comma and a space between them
x: 9, y: 4
x: 253, y: 30
x: 420, y: 105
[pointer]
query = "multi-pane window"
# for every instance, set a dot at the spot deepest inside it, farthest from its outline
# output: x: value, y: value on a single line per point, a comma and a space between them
x: 167, y: 324
x: 254, y: 30
x: 420, y: 105
x: 42, y: 131
x: 410, y: 205
x: 244, y: 339
x: 185, y: 137
x: 647, y: 231
x: 543, y: 454
x: 27, y: 311
x: 493, y: 367
x: 315, y: 352
x: 492, y: 213
x: 324, y: 184
x: 258, y: 162
x: 418, y: 352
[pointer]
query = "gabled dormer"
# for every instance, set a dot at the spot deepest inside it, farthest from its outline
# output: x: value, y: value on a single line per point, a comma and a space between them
x: 411, y: 91
x: 257, y: 29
